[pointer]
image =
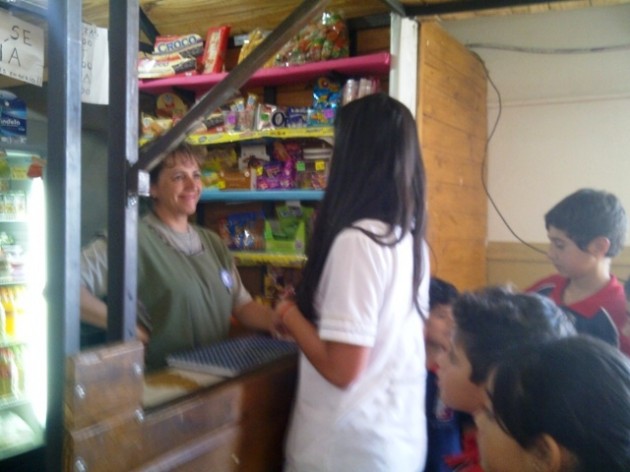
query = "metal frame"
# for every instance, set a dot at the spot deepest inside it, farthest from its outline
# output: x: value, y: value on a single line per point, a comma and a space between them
x: 463, y: 6
x: 122, y: 209
x: 63, y: 200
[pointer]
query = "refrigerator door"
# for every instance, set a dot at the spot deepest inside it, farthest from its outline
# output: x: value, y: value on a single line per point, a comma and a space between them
x: 23, y: 314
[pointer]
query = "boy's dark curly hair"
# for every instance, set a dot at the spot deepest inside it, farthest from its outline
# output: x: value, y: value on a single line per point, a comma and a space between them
x: 495, y: 320
x: 587, y: 214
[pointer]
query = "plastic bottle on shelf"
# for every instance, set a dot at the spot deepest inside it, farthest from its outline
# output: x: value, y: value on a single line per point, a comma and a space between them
x: 6, y: 300
x: 7, y: 372
x: 3, y: 322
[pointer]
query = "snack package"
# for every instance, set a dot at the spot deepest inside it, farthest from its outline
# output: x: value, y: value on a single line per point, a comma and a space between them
x: 170, y: 105
x: 152, y: 127
x: 326, y: 38
x: 254, y: 38
x: 190, y: 45
x: 326, y: 93
x: 243, y: 231
x: 216, y: 47
x: 164, y: 65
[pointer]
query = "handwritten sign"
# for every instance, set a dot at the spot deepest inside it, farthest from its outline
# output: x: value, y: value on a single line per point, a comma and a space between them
x: 94, y: 65
x: 21, y: 50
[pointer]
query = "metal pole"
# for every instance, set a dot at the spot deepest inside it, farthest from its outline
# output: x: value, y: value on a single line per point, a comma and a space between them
x: 63, y: 202
x: 122, y: 223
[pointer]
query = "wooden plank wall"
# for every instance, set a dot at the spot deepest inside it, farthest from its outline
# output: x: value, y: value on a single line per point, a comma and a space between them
x: 452, y: 126
x: 516, y: 264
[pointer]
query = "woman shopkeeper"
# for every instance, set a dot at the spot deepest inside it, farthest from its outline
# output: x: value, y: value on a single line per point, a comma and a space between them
x: 188, y: 284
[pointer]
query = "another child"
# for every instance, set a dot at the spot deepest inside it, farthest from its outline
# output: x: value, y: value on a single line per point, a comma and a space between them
x: 563, y: 407
x: 358, y: 313
x: 488, y: 325
x: 444, y: 425
x: 586, y: 230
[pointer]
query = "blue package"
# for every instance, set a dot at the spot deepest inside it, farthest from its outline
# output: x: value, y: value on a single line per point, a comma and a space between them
x: 12, y: 118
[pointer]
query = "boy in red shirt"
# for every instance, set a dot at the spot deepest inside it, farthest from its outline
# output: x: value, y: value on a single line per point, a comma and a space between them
x: 586, y: 230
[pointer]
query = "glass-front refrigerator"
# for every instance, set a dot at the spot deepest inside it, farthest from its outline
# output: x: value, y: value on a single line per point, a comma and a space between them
x: 23, y: 313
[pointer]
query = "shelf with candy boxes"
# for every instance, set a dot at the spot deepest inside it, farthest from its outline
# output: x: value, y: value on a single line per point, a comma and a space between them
x: 245, y: 117
x: 297, y: 164
x: 276, y: 235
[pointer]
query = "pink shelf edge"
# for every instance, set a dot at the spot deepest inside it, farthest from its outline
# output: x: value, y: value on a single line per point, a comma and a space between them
x: 377, y: 63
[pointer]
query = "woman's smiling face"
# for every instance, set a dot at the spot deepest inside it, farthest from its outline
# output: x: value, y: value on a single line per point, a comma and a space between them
x: 178, y: 188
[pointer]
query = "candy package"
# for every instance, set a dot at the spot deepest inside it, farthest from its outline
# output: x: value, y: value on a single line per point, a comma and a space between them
x: 214, y: 52
x: 326, y: 38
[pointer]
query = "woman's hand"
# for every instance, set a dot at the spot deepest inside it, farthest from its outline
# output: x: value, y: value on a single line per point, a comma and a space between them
x: 142, y: 334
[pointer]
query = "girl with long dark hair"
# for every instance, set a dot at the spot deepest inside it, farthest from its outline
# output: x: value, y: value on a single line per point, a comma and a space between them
x: 357, y: 317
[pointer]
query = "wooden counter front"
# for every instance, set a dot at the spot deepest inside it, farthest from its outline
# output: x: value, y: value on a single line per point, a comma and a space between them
x: 118, y: 420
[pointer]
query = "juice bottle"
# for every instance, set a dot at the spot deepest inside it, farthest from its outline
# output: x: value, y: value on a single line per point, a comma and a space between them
x: 3, y: 322
x: 7, y: 302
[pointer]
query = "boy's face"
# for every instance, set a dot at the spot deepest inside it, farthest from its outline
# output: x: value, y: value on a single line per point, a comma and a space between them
x: 456, y: 389
x: 568, y: 259
x: 499, y: 451
x: 439, y: 326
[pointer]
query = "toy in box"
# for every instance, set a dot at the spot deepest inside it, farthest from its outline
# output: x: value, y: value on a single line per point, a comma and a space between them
x: 278, y: 240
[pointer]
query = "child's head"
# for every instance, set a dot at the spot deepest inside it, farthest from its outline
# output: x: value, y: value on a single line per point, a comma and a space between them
x: 588, y: 214
x: 562, y: 406
x: 488, y: 324
x: 439, y: 325
x: 377, y: 169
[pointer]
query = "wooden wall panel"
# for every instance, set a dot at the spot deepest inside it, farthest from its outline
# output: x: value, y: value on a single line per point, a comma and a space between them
x: 452, y: 127
x: 462, y: 262
x: 519, y: 265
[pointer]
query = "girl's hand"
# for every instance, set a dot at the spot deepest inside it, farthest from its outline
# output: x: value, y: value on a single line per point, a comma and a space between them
x: 278, y: 317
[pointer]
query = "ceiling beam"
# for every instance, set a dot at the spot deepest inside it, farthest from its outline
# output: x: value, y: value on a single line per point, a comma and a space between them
x: 462, y: 6
x: 147, y: 27
x: 396, y: 7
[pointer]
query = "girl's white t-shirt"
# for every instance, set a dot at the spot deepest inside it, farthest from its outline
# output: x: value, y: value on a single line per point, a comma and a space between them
x: 377, y: 423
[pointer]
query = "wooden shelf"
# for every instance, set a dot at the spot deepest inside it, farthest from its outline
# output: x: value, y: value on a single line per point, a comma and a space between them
x: 260, y: 195
x: 376, y: 64
x: 245, y: 258
x: 279, y: 133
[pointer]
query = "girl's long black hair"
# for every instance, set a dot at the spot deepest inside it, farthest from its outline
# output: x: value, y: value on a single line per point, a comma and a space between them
x: 376, y: 172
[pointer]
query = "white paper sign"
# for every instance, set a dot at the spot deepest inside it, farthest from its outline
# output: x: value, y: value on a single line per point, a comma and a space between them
x: 94, y: 65
x: 21, y: 50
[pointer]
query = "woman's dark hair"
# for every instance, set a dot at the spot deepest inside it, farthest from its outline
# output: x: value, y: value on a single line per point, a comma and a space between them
x: 183, y: 151
x: 376, y: 172
x: 577, y: 390
x: 492, y: 321
x: 587, y: 214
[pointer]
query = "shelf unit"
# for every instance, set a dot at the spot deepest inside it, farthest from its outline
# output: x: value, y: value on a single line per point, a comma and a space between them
x: 251, y: 258
x: 251, y: 135
x: 375, y: 64
x: 260, y: 195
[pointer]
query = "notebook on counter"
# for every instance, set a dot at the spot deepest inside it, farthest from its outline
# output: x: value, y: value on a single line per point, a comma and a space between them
x: 233, y: 356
